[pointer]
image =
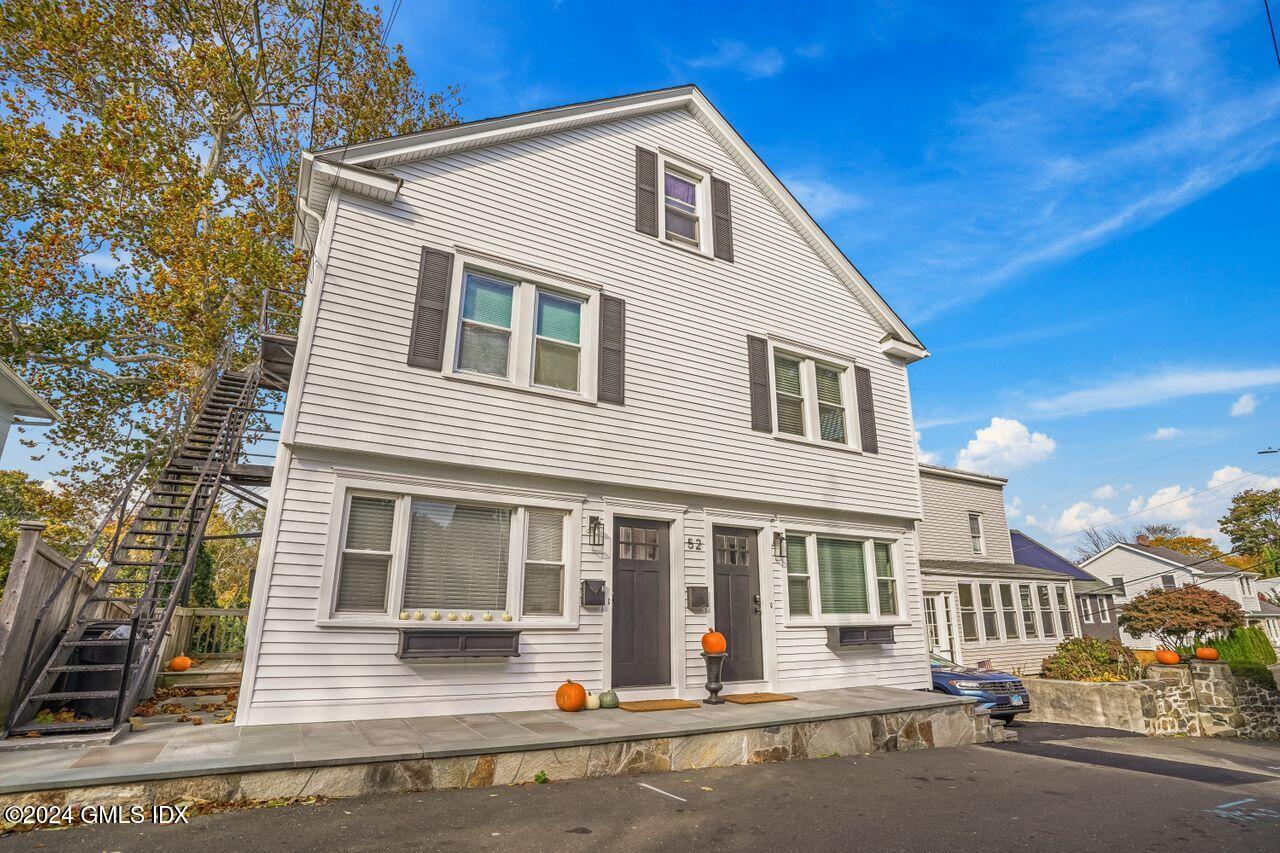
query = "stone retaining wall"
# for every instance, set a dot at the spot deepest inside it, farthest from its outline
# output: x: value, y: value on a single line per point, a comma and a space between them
x: 1200, y: 699
x: 951, y: 725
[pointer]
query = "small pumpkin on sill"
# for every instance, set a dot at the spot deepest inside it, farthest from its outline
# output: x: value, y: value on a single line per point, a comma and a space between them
x: 571, y: 696
x: 1167, y: 657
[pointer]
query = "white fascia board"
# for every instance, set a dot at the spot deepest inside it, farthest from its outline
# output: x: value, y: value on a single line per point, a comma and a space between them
x: 22, y: 398
x: 318, y: 178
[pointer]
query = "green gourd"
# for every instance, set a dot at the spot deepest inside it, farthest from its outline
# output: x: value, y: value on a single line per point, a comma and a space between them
x: 608, y: 699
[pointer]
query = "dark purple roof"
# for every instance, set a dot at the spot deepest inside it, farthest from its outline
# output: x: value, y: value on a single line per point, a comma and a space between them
x: 1029, y: 552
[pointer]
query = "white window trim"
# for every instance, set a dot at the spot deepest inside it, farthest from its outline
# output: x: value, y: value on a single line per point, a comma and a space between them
x: 995, y: 602
x: 982, y: 536
x: 701, y: 177
x: 808, y: 357
x: 523, y: 341
x: 1086, y: 608
x: 1016, y: 603
x: 404, y: 491
x: 1104, y: 609
x: 873, y: 617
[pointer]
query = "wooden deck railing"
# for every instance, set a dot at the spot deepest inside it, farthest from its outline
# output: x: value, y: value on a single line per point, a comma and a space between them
x: 206, y: 632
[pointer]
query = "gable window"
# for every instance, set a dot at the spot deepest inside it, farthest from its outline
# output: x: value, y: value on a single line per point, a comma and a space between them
x: 811, y: 398
x: 1009, y: 611
x: 990, y: 618
x: 1028, y: 612
x: 841, y: 579
x: 1064, y: 610
x: 1118, y: 583
x: 968, y: 614
x: 529, y: 334
x: 1046, y: 610
x: 1168, y: 582
x: 975, y: 533
x: 1087, y: 604
x: 680, y: 203
x: 461, y: 558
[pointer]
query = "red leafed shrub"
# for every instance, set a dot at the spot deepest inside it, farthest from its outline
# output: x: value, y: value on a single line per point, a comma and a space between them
x: 1175, y: 616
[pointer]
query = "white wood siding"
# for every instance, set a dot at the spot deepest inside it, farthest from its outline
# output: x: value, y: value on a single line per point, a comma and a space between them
x: 1021, y: 657
x: 306, y: 672
x: 565, y: 202
x: 944, y: 530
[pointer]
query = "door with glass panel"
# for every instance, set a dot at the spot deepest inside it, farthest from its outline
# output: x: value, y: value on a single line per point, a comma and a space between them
x: 641, y: 607
x: 937, y: 617
x: 736, y: 573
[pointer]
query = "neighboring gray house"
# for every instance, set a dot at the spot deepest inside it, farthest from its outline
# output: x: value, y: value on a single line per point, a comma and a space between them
x: 980, y: 604
x: 18, y: 402
x: 573, y: 386
x: 1095, y: 600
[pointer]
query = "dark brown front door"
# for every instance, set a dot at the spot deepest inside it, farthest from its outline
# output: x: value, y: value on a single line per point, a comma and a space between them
x: 737, y: 591
x: 641, y: 603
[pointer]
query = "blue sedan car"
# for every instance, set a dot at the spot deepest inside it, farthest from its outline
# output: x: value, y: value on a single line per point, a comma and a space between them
x: 1003, y: 693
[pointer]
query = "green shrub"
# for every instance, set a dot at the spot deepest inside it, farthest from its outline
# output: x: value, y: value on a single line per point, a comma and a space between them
x: 1245, y: 645
x: 1255, y: 672
x: 1090, y: 659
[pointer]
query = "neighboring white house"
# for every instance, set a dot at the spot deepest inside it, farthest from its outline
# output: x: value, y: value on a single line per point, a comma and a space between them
x: 18, y: 403
x: 979, y: 604
x: 1133, y: 568
x: 571, y: 387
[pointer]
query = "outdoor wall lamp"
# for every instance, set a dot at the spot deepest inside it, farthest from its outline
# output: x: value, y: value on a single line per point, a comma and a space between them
x: 780, y: 546
x: 595, y: 531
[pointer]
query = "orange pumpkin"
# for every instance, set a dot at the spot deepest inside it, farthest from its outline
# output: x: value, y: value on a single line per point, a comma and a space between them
x: 1167, y: 657
x: 1207, y: 653
x: 713, y: 642
x: 180, y: 664
x: 571, y: 696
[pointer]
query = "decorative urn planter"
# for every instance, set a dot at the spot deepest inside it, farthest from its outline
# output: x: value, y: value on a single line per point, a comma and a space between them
x: 1206, y: 653
x: 1167, y: 657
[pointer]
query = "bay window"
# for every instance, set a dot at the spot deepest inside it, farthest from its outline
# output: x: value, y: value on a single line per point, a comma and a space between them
x: 841, y: 580
x: 470, y: 557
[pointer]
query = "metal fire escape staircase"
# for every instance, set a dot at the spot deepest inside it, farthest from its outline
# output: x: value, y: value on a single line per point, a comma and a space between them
x: 105, y: 659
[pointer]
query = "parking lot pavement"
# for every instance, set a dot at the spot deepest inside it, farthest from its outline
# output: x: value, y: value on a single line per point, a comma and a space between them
x: 1035, y: 795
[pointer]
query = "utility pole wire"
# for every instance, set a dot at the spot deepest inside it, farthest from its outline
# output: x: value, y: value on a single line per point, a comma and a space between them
x: 1271, y: 26
x: 315, y: 78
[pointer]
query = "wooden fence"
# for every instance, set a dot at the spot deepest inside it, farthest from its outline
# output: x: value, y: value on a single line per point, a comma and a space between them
x: 205, y: 632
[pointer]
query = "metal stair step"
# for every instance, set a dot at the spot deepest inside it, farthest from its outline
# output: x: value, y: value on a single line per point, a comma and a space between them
x: 95, y: 643
x: 74, y: 695
x: 65, y: 728
x: 88, y: 667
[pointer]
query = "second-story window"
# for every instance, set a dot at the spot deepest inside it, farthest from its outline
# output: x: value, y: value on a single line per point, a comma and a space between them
x: 485, y: 344
x: 558, y: 348
x: 810, y: 398
x: 680, y: 199
x: 789, y: 384
x: 975, y: 533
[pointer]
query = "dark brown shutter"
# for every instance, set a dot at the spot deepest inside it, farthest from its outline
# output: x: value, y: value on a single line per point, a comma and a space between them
x: 758, y: 371
x: 613, y: 350
x: 430, y: 309
x: 721, y: 220
x: 866, y: 410
x: 646, y: 192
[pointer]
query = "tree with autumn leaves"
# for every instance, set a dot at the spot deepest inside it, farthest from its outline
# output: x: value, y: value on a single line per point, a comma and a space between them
x: 148, y: 153
x: 1176, y: 616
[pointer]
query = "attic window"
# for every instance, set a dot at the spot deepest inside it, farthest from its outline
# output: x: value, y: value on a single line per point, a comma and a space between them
x: 680, y: 193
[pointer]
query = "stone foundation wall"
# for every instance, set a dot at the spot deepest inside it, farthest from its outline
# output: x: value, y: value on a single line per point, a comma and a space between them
x: 1200, y: 699
x: 952, y: 725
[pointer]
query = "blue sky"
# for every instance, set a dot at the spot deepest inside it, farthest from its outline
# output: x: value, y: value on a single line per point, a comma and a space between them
x: 1073, y: 205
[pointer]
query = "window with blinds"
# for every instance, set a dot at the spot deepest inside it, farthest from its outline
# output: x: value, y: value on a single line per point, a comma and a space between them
x: 365, y: 563
x: 544, y: 563
x: 557, y: 341
x: 789, y: 394
x: 457, y: 556
x: 484, y: 344
x: 885, y: 582
x: 842, y: 576
x: 797, y: 576
x: 829, y: 382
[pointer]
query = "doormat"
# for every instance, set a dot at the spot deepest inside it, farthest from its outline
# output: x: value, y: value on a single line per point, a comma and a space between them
x: 757, y: 698
x: 658, y: 705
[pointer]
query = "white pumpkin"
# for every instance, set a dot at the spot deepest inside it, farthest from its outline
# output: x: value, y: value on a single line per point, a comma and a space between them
x: 593, y: 701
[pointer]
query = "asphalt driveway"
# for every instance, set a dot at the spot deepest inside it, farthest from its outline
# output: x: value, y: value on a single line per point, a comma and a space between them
x: 1059, y: 788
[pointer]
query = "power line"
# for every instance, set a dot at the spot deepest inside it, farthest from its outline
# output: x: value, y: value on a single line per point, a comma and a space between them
x: 315, y: 77
x: 1116, y: 477
x: 1271, y: 26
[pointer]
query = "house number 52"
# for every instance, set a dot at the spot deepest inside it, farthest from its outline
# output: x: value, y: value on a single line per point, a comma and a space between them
x: 693, y: 543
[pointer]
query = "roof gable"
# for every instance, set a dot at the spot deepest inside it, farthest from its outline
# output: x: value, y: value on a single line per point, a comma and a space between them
x: 354, y: 167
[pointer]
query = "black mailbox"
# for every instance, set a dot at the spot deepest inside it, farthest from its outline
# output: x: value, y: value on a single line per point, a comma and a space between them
x: 593, y: 594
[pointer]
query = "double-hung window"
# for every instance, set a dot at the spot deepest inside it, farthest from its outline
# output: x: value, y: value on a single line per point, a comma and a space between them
x: 1104, y: 608
x: 841, y: 579
x: 1008, y: 611
x: 1064, y: 610
x: 975, y: 533
x: 527, y: 333
x: 990, y: 618
x: 1087, y: 604
x: 680, y: 192
x: 1168, y: 582
x: 968, y: 614
x: 1118, y: 583
x: 1046, y: 610
x: 811, y: 398
x: 469, y: 558
x: 1028, y: 612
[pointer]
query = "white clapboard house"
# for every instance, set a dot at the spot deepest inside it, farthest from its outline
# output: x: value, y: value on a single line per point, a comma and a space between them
x: 981, y: 606
x: 572, y: 386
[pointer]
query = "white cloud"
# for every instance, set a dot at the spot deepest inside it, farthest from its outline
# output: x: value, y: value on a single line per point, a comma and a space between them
x: 751, y: 63
x: 822, y: 198
x: 1171, y: 503
x: 1165, y: 433
x: 926, y: 457
x: 1078, y: 517
x: 1005, y: 445
x: 1013, y: 509
x: 1245, y: 405
x: 1103, y: 493
x: 1143, y: 389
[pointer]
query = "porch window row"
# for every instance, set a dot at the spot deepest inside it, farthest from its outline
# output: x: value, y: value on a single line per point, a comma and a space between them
x: 991, y: 612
